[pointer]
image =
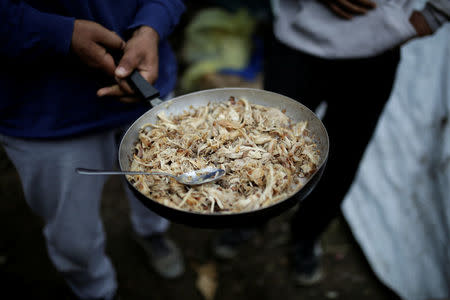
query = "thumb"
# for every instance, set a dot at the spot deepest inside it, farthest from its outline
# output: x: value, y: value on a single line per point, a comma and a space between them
x: 127, y: 64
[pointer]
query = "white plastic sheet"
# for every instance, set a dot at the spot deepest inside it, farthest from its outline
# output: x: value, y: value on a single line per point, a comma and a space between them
x: 399, y: 205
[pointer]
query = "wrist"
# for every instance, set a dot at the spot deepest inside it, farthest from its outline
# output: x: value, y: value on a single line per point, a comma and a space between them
x: 148, y: 31
x: 420, y: 24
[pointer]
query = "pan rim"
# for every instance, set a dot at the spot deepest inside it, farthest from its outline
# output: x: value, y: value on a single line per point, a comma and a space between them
x: 230, y: 89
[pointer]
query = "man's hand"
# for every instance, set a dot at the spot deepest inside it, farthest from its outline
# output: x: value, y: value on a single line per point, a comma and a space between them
x: 90, y: 41
x: 347, y: 9
x: 419, y: 23
x: 141, y: 53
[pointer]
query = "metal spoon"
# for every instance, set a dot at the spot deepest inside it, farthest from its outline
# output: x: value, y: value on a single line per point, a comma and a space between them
x: 201, y: 176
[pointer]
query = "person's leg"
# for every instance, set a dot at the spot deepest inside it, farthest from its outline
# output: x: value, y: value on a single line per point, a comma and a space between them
x: 150, y: 233
x: 356, y: 97
x: 145, y: 222
x: 303, y: 78
x: 69, y: 203
x: 355, y: 92
x: 163, y: 254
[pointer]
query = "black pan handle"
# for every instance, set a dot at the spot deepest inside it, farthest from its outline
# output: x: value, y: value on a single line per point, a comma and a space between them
x: 137, y: 82
x: 142, y: 86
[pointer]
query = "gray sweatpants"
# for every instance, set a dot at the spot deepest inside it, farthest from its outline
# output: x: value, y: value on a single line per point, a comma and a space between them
x: 70, y: 204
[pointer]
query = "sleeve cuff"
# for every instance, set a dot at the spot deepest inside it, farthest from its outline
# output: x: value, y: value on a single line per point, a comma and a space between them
x: 160, y: 16
x: 434, y: 18
x: 52, y: 32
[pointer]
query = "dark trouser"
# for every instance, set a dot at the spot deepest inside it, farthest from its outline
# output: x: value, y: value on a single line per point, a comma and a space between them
x: 356, y: 91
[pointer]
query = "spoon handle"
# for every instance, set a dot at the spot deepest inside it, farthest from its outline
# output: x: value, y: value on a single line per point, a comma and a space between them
x: 103, y: 172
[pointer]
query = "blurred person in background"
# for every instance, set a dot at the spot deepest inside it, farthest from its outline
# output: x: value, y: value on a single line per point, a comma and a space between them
x: 338, y: 57
x: 65, y: 103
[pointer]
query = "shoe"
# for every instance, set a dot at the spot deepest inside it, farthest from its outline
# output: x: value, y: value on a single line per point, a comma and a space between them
x: 163, y: 255
x: 306, y: 265
x: 226, y: 245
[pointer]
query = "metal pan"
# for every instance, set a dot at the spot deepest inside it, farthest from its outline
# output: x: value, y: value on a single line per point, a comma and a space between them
x: 295, y: 110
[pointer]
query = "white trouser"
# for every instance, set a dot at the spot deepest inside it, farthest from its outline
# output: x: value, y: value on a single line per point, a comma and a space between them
x: 69, y: 203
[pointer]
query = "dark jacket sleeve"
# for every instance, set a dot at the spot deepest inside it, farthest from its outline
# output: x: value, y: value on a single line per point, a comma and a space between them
x: 27, y: 34
x: 161, y: 15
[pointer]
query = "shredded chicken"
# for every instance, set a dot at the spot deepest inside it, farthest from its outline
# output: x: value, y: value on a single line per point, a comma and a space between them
x: 265, y: 156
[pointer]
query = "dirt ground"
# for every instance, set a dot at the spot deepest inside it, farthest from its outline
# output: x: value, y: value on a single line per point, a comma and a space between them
x: 259, y: 272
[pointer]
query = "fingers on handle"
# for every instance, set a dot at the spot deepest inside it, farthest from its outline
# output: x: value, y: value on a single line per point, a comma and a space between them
x: 104, y: 39
x: 117, y: 91
x: 114, y: 91
x: 103, y: 60
x: 124, y: 86
x: 114, y: 41
x: 121, y: 89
